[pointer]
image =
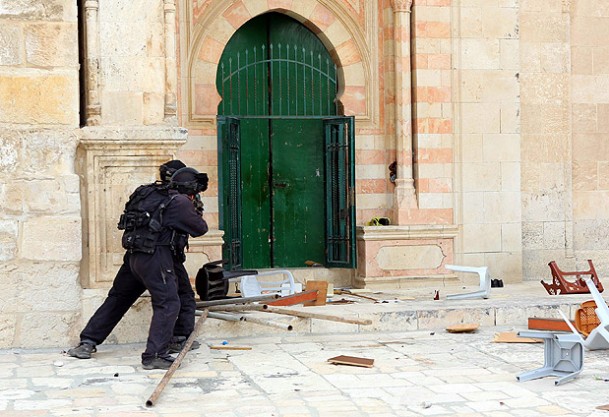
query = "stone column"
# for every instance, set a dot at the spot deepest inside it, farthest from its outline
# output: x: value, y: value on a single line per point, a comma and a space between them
x: 405, y: 198
x: 170, y: 60
x: 93, y: 104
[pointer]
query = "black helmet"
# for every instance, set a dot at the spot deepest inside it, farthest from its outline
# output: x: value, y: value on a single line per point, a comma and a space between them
x: 188, y: 180
x: 169, y: 168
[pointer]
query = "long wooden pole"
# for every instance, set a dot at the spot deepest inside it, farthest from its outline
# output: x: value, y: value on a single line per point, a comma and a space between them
x: 309, y: 315
x: 270, y: 323
x: 161, y: 386
x: 237, y: 300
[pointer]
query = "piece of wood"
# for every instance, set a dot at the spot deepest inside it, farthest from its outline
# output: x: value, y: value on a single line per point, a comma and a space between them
x: 352, y: 360
x: 227, y: 347
x: 603, y: 407
x: 322, y: 292
x: 176, y: 363
x: 463, y: 328
x: 512, y: 337
x: 311, y: 315
x: 298, y: 298
x: 551, y: 324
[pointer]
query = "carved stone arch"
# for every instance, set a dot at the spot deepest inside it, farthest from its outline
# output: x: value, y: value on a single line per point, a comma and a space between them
x: 343, y: 36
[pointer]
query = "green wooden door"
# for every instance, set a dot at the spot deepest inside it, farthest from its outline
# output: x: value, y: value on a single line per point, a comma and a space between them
x: 278, y: 80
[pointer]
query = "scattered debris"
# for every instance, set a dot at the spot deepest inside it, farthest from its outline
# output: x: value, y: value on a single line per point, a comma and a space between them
x: 603, y: 407
x: 561, y: 285
x: 436, y: 295
x: 352, y: 360
x: 298, y: 298
x: 463, y: 328
x: 512, y: 337
x: 425, y: 404
x: 322, y: 290
x: 58, y: 364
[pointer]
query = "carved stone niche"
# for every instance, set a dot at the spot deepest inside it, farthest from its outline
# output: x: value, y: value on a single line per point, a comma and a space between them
x: 111, y: 164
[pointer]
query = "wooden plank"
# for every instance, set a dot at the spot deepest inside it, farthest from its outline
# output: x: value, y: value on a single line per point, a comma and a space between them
x: 551, y: 324
x: 226, y: 347
x: 352, y: 360
x: 463, y: 328
x: 512, y: 337
x: 322, y: 292
x: 298, y: 298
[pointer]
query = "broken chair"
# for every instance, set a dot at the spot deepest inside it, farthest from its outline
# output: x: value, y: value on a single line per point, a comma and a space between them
x: 561, y: 285
x: 485, y: 282
x: 563, y: 356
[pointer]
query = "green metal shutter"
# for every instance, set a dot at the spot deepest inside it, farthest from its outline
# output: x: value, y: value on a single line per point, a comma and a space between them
x: 340, y: 192
x: 229, y: 146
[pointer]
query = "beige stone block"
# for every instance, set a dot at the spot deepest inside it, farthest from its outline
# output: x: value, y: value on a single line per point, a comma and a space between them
x: 8, y: 240
x: 554, y: 235
x: 590, y: 147
x: 480, y: 54
x: 480, y: 118
x: 544, y: 206
x: 336, y: 34
x: 482, y: 237
x: 153, y: 108
x: 543, y: 27
x: 586, y: 176
x: 355, y: 73
x: 588, y: 30
x: 590, y: 204
x: 501, y: 147
x: 510, y: 118
x: 431, y: 78
x: 255, y: 7
x: 371, y: 171
x: 603, y: 175
x: 501, y: 86
x: 52, y: 238
x: 584, y: 117
x: 545, y: 88
x: 34, y: 10
x: 471, y: 86
x: 510, y: 54
x: 8, y: 326
x: 492, y: 208
x: 544, y: 148
x: 530, y: 57
x: 590, y: 89
x: 485, y: 176
x: 438, y: 319
x: 472, y: 207
x: 417, y: 257
x: 542, y: 177
x: 471, y: 144
x: 505, y: 265
x: 304, y: 7
x: 470, y: 25
x: 122, y: 108
x: 511, y: 237
x: 510, y: 207
x: 510, y: 176
x: 603, y: 118
x: 56, y: 324
x: 556, y: 57
x: 435, y: 200
x: 582, y: 61
x: 499, y: 23
x: 11, y: 44
x: 374, y: 201
x: 532, y: 235
x: 134, y: 74
x: 51, y: 44
x: 39, y: 98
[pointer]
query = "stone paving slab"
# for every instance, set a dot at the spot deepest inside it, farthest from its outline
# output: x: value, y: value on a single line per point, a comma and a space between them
x: 415, y: 373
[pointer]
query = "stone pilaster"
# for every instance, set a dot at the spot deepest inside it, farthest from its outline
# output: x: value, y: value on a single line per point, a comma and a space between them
x: 405, y: 198
x: 92, y: 95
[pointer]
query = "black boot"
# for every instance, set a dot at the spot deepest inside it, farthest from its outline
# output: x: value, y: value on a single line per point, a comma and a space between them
x: 83, y: 350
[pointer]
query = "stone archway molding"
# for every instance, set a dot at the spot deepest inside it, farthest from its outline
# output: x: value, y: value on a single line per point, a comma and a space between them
x: 335, y: 26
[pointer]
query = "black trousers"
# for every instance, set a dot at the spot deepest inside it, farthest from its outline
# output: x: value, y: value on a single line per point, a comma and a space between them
x: 173, y: 301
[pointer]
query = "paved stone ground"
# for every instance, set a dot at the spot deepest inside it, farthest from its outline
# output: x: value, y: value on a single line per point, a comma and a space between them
x: 416, y: 373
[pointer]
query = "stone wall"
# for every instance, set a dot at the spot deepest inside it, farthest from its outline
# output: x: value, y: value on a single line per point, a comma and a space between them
x: 40, y: 226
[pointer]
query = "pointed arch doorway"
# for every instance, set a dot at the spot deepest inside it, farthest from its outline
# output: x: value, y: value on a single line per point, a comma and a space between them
x: 286, y: 174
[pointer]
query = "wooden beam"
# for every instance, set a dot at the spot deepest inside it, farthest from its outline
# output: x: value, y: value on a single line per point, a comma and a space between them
x: 298, y: 298
x: 542, y: 323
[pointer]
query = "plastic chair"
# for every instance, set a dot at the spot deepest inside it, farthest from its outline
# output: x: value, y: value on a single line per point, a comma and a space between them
x: 485, y: 282
x: 251, y: 285
x: 563, y: 356
x: 599, y: 336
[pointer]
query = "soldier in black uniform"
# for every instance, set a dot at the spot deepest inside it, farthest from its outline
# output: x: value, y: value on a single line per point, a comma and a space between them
x: 157, y: 221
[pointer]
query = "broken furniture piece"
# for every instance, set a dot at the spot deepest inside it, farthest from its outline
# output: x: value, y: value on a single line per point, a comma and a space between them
x: 599, y: 336
x: 485, y: 282
x: 563, y: 356
x: 586, y: 319
x: 251, y: 285
x: 561, y: 285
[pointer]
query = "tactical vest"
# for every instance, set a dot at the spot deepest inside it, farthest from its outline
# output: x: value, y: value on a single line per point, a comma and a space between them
x: 142, y: 218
